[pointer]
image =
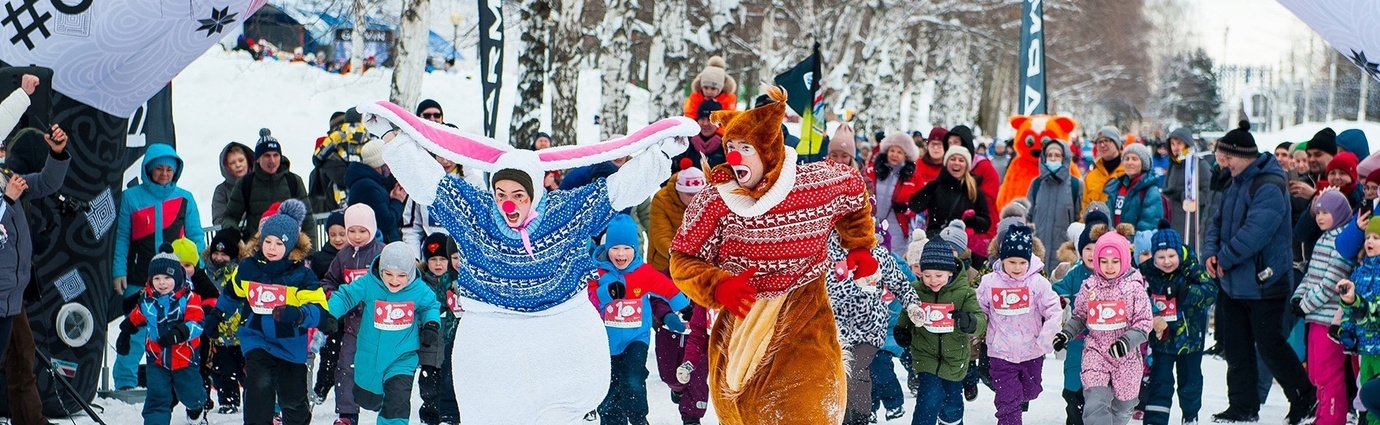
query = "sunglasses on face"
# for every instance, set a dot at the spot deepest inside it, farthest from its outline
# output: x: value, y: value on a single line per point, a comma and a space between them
x: 431, y: 115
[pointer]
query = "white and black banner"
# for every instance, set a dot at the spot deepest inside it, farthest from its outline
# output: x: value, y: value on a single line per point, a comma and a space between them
x: 1350, y: 26
x: 115, y: 54
x: 1032, y: 71
x: 491, y: 59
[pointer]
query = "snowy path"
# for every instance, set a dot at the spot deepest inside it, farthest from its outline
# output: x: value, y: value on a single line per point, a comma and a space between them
x: 1048, y: 409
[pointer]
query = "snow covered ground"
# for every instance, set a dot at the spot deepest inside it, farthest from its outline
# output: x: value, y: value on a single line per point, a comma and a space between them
x: 1048, y: 409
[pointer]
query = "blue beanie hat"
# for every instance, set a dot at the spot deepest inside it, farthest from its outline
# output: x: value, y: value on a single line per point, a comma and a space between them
x: 267, y: 143
x: 162, y: 160
x: 938, y: 254
x: 1142, y: 242
x: 621, y: 231
x: 1018, y: 242
x: 166, y: 263
x: 286, y: 224
x: 336, y: 218
x: 1166, y: 238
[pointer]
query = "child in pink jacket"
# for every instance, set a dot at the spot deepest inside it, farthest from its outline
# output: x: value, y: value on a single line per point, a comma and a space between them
x: 1023, y: 315
x: 1113, y: 307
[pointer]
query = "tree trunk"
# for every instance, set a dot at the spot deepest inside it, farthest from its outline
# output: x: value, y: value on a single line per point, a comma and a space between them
x: 669, y: 70
x: 532, y: 68
x: 617, y: 52
x: 357, y: 36
x: 410, y: 63
x: 565, y: 77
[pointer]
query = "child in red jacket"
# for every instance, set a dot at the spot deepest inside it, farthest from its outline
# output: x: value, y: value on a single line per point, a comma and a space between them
x: 171, y: 313
x: 712, y: 83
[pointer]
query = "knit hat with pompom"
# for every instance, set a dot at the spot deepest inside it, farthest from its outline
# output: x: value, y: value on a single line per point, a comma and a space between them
x: 286, y: 224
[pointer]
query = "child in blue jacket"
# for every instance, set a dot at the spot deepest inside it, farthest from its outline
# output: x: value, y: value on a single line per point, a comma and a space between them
x: 285, y: 301
x: 400, y: 328
x: 623, y: 292
x: 170, y: 312
x: 1180, y: 295
x: 1360, y: 299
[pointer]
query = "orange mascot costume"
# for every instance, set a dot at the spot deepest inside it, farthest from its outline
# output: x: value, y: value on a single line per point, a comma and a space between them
x: 1031, y: 133
x: 759, y: 253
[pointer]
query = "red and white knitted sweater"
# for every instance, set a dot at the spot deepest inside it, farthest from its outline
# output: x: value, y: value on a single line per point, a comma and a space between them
x: 785, y: 233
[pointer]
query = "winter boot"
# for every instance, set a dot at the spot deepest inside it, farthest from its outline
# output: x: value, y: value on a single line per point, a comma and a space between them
x: 1233, y: 415
x: 228, y: 409
x: 897, y: 413
x: 1073, y: 407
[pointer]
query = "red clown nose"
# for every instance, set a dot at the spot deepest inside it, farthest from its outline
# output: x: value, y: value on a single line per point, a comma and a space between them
x: 734, y: 158
x: 509, y: 207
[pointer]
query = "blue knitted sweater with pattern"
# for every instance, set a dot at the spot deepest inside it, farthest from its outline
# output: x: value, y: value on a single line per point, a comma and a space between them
x: 496, y: 269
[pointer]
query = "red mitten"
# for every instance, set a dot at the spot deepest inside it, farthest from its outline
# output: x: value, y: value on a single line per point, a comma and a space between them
x: 861, y: 262
x: 735, y: 294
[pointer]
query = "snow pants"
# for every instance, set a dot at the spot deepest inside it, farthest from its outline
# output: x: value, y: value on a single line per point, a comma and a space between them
x: 345, y: 377
x: 1370, y: 369
x: 394, y: 405
x: 859, y: 406
x: 438, y: 392
x: 886, y: 386
x: 670, y: 354
x: 1102, y: 407
x: 227, y: 372
x: 1015, y: 383
x: 270, y: 380
x: 1327, y: 371
x: 1163, y: 367
x: 939, y: 399
x: 626, y: 401
x: 162, y: 382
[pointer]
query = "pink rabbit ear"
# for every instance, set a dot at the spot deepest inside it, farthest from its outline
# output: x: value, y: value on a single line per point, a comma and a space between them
x: 470, y: 150
x: 564, y: 157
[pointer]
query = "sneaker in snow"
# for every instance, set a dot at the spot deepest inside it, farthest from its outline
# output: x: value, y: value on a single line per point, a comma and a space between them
x: 690, y: 421
x: 896, y: 413
x: 1233, y: 416
x: 591, y: 416
x: 872, y: 418
x: 970, y: 392
x: 228, y: 409
x: 315, y: 397
x: 197, y: 421
x: 1191, y: 420
x: 1302, y: 412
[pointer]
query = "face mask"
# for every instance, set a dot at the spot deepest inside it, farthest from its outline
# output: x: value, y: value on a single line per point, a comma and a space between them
x: 1054, y: 166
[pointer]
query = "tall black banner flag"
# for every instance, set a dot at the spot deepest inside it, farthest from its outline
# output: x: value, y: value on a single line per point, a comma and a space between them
x: 491, y: 59
x: 1032, y: 53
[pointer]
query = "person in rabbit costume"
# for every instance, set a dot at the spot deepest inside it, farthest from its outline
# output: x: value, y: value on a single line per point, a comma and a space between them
x: 536, y: 353
x: 754, y: 244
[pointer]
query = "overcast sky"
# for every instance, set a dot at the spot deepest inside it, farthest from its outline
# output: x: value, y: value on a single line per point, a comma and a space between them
x: 1257, y: 32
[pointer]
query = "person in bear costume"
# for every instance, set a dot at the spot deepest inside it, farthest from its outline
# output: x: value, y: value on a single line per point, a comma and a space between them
x: 775, y: 357
x: 1031, y: 133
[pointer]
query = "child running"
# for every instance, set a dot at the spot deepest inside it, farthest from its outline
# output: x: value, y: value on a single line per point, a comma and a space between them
x: 171, y: 313
x: 949, y: 315
x: 1181, y: 293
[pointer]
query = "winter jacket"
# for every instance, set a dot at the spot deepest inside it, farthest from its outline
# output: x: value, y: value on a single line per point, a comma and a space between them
x: 1101, y: 298
x: 349, y: 264
x: 16, y: 255
x: 582, y: 176
x: 1024, y: 313
x: 1135, y: 201
x: 667, y: 213
x: 1317, y: 294
x: 934, y: 349
x: 945, y: 199
x: 727, y: 99
x: 1095, y: 182
x: 1073, y: 353
x: 369, y: 187
x: 158, y: 313
x: 624, y: 317
x: 1172, y: 187
x: 391, y: 335
x: 255, y: 283
x: 264, y: 190
x: 1249, y: 233
x: 1362, y: 319
x: 1190, y: 293
x: 152, y: 214
x: 221, y: 196
x: 904, y: 183
x: 444, y: 288
x: 860, y: 313
x: 1054, y: 200
x: 321, y: 260
x: 713, y: 157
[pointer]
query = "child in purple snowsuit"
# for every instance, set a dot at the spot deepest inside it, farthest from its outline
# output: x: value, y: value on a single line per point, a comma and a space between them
x: 1023, y: 314
x: 1114, y: 308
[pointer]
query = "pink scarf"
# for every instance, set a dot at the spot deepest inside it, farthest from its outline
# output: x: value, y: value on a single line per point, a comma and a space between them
x: 706, y: 144
x: 522, y: 231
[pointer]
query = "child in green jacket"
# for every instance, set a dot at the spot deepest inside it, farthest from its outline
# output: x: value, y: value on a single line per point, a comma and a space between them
x: 939, y: 332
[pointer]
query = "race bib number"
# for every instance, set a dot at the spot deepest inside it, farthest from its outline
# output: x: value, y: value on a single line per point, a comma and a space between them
x: 887, y: 296
x: 623, y: 313
x: 393, y: 316
x: 1167, y: 308
x: 1011, y: 301
x: 840, y: 270
x: 1107, y: 315
x: 264, y: 297
x: 937, y: 317
x: 351, y: 274
x: 453, y: 301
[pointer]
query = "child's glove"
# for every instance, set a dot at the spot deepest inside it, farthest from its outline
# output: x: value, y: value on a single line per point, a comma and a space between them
x: 965, y: 321
x: 429, y: 354
x: 735, y: 294
x: 1061, y: 340
x: 1120, y: 347
x: 328, y: 324
x: 861, y: 262
x: 683, y: 373
x: 617, y: 290
x: 1296, y: 306
x: 210, y: 326
x: 288, y: 314
x: 175, y: 335
x: 122, y: 341
x: 902, y: 336
x: 673, y: 323
x: 899, y: 207
x: 1334, y: 331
